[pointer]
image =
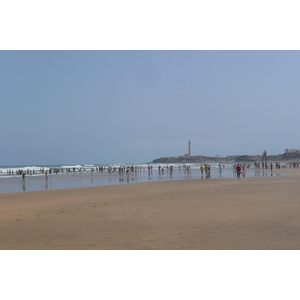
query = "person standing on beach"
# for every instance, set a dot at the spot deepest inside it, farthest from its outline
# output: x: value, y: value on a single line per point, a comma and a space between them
x: 238, y: 171
x: 206, y: 168
x: 23, y: 176
x: 127, y: 171
x: 202, y: 169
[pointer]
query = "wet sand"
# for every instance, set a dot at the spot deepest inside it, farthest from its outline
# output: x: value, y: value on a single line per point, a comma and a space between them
x: 250, y: 213
x: 81, y: 180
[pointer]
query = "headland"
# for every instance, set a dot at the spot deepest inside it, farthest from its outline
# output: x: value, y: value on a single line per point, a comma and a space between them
x: 228, y: 159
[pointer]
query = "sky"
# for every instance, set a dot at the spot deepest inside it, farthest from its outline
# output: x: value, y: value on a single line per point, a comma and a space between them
x: 135, y: 106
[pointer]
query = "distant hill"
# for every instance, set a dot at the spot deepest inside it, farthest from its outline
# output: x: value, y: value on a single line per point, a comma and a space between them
x: 228, y: 159
x: 185, y: 159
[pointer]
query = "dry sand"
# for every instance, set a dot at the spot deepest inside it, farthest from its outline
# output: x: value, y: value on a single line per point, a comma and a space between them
x: 251, y: 213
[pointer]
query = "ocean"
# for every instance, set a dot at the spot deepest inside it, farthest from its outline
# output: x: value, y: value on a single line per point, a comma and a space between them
x: 88, y: 175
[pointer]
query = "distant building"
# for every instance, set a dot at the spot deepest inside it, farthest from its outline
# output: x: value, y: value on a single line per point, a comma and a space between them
x: 292, y: 151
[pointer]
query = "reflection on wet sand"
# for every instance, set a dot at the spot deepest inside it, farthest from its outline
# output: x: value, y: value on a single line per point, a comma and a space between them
x: 68, y: 181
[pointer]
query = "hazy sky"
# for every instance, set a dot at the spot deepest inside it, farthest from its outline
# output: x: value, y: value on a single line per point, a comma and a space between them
x: 134, y: 106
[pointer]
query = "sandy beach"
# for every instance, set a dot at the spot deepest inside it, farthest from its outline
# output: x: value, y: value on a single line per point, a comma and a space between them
x: 250, y: 213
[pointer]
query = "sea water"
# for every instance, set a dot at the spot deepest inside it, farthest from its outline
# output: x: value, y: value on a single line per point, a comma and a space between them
x: 89, y: 175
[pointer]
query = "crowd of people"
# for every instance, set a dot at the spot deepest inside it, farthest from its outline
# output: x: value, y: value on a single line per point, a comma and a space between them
x: 240, y: 168
x: 134, y: 169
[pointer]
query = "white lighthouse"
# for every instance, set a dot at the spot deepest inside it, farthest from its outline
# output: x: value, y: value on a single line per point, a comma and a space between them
x: 189, y: 148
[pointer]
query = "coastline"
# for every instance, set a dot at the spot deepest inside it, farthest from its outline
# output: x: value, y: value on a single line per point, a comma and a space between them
x: 35, y: 180
x: 226, y: 214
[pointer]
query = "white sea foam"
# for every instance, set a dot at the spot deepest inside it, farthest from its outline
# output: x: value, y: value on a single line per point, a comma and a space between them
x: 4, y: 169
x: 71, y: 167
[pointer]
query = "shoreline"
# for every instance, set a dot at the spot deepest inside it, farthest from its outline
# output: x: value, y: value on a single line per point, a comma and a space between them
x: 226, y: 214
x: 38, y: 182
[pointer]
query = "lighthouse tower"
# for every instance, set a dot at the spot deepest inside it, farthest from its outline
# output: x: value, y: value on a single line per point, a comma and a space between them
x: 189, y: 149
